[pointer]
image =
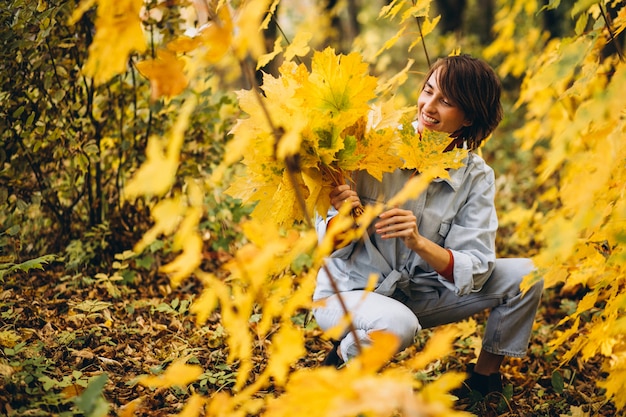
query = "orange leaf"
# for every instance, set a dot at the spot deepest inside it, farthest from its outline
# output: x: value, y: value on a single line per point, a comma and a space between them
x: 165, y: 73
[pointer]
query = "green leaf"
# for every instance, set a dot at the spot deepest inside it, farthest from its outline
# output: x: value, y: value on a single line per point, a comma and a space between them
x: 36, y: 263
x: 557, y: 382
x: 48, y: 383
x: 13, y: 230
x: 91, y: 402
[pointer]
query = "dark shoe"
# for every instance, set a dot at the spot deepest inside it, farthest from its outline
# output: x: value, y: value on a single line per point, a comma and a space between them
x: 477, y: 386
x: 332, y: 358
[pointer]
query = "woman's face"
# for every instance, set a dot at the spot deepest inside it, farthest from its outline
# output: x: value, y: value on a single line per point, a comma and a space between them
x: 437, y: 112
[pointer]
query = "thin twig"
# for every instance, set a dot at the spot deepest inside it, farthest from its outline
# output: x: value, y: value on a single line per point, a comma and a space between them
x: 608, y: 28
x: 419, y: 26
x: 280, y: 29
x: 344, y: 307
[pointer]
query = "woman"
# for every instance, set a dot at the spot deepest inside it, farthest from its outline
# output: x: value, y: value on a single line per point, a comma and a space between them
x: 435, y: 256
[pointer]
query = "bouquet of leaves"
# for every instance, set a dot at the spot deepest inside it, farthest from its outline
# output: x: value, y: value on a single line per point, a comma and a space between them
x: 325, y: 123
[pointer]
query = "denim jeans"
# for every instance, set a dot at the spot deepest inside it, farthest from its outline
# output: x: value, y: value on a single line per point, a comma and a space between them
x: 508, y: 328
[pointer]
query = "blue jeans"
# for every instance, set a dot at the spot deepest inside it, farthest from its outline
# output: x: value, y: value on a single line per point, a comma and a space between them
x: 508, y: 328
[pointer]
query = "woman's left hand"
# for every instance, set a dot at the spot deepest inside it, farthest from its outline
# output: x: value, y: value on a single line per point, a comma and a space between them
x: 399, y: 223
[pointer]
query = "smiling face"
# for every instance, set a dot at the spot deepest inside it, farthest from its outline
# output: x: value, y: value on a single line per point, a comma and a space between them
x: 438, y: 112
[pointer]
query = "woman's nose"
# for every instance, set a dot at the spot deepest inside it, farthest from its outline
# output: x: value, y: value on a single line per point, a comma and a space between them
x: 428, y: 104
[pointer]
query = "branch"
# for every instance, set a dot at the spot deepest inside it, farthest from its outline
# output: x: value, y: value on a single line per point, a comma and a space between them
x: 419, y: 26
x: 291, y: 170
x: 609, y: 29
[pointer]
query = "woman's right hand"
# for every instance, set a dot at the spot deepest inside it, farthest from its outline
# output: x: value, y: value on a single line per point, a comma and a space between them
x: 343, y: 194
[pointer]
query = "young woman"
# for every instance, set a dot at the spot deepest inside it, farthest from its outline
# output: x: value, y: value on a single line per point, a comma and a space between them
x: 435, y: 255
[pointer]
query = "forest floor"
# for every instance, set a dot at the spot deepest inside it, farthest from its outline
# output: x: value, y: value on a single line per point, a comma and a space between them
x: 58, y: 333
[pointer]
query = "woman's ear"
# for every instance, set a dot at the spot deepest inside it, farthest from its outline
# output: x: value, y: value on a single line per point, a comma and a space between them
x: 467, y: 122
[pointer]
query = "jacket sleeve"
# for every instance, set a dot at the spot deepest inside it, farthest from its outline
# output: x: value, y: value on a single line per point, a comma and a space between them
x: 472, y: 235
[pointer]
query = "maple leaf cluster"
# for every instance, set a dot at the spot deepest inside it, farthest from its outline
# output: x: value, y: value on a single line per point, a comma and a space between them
x: 328, y: 119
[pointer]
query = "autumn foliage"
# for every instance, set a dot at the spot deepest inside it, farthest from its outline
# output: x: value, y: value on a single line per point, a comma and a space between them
x: 325, y: 114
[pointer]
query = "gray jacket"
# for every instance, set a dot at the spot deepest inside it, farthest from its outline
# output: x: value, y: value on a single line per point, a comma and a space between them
x: 457, y: 213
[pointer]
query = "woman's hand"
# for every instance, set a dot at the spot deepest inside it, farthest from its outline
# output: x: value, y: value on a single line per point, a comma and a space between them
x: 399, y: 223
x: 343, y: 194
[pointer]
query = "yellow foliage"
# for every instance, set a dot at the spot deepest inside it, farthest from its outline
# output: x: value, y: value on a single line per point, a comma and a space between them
x: 266, y: 58
x: 177, y: 374
x: 287, y: 348
x: 299, y: 46
x: 328, y: 121
x: 325, y: 118
x: 412, y: 189
x: 118, y: 33
x: 217, y: 35
x: 165, y: 73
x: 193, y: 406
x: 361, y: 389
x: 410, y: 11
x: 339, y: 88
x: 156, y: 176
x: 515, y: 17
x: 575, y: 102
x: 247, y: 37
x: 166, y: 215
x: 422, y: 151
x: 322, y: 117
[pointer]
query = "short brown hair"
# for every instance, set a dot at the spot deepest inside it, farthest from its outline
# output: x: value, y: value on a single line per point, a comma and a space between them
x: 473, y: 86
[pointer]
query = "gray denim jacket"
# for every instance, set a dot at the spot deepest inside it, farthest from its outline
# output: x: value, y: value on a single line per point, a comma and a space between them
x: 457, y: 213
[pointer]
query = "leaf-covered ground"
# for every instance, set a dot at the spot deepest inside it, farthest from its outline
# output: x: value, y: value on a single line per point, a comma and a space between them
x: 59, y: 332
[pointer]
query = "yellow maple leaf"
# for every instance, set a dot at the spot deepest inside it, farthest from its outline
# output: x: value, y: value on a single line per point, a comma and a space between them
x: 427, y: 27
x: 183, y: 44
x: 287, y: 348
x: 275, y: 193
x: 187, y: 238
x: 167, y: 216
x: 178, y: 373
x: 418, y: 9
x: 166, y: 74
x: 339, y: 87
x: 437, y: 392
x: 158, y: 173
x: 321, y: 117
x: 412, y: 189
x: 208, y: 300
x: 266, y: 58
x: 118, y: 33
x: 424, y: 151
x: 615, y: 385
x: 439, y: 345
x: 376, y: 147
x: 372, y: 358
x: 216, y: 36
x: 248, y: 39
x: 299, y: 46
x: 193, y: 406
